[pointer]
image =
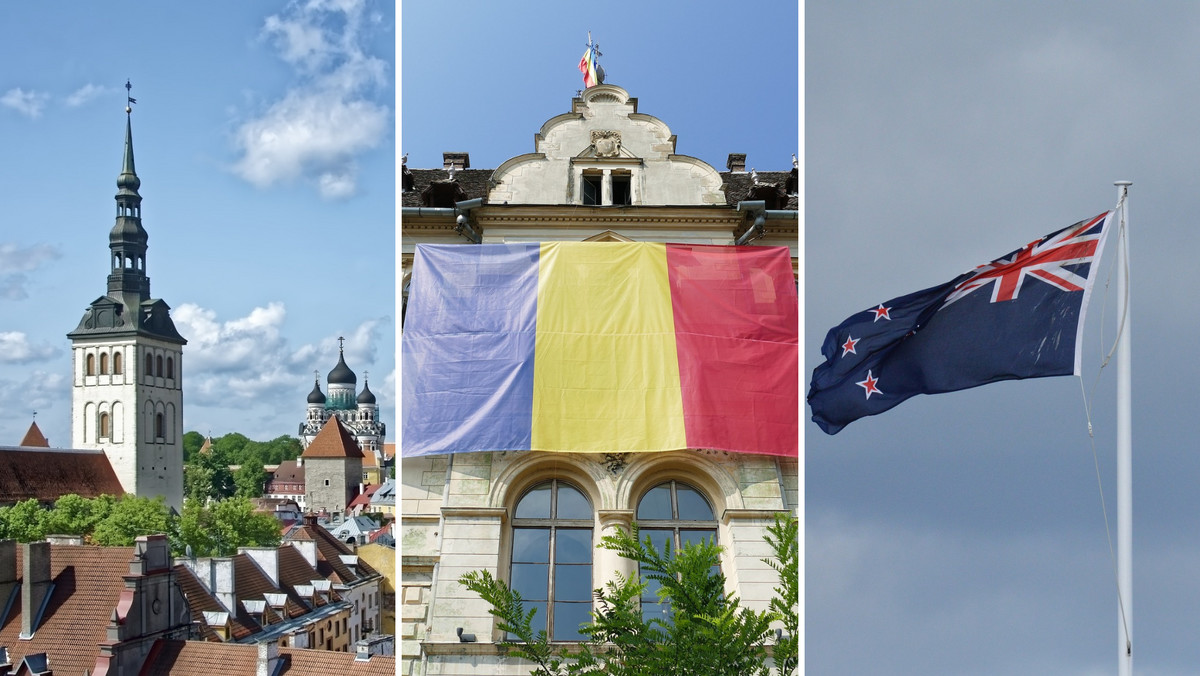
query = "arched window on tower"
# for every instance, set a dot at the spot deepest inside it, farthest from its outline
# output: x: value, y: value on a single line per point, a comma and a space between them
x: 117, y: 363
x: 552, y: 557
x: 160, y: 430
x: 170, y: 367
x: 677, y: 513
x: 105, y: 423
x: 158, y: 370
x: 149, y: 364
x: 89, y: 365
x: 103, y: 363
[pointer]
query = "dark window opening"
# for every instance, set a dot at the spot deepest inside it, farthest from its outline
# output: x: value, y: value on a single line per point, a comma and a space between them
x: 591, y: 189
x: 620, y: 189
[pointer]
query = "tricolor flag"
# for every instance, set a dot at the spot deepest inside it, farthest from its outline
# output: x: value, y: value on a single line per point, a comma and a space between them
x: 1019, y: 316
x: 600, y: 347
x: 588, y: 66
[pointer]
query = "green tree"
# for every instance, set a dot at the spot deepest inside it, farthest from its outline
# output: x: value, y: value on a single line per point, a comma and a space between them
x: 75, y: 515
x: 783, y: 536
x: 23, y: 521
x: 208, y: 476
x: 706, y: 633
x: 218, y: 529
x: 250, y: 479
x: 192, y: 441
x: 130, y: 517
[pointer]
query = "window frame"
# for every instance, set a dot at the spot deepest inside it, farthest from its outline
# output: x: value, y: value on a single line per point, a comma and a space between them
x: 553, y: 525
x: 673, y: 525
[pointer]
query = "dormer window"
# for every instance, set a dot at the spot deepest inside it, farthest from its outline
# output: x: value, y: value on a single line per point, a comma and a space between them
x: 621, y: 192
x: 591, y: 185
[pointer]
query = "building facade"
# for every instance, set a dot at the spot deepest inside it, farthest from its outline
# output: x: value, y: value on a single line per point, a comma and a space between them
x: 127, y: 381
x: 602, y: 172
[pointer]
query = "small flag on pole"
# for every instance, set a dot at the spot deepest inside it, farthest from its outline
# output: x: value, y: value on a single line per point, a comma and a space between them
x: 588, y: 65
x: 1019, y: 316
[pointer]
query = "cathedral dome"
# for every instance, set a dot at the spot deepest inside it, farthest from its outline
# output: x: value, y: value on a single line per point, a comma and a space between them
x: 316, y: 396
x: 341, y: 374
x: 366, y: 396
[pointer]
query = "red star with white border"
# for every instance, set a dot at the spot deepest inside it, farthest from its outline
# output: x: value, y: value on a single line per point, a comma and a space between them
x: 848, y: 346
x: 870, y: 385
x: 881, y: 312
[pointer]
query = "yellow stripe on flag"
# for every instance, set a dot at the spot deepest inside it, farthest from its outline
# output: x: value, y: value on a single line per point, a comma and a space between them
x: 606, y: 374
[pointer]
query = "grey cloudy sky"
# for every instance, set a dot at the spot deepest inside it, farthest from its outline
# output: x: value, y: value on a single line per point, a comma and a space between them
x: 963, y: 533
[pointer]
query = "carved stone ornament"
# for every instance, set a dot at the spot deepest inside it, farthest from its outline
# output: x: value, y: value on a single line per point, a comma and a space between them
x: 607, y: 143
x: 615, y: 462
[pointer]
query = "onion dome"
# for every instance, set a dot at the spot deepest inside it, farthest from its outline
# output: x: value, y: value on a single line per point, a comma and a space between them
x: 366, y: 396
x: 341, y: 374
x: 316, y: 396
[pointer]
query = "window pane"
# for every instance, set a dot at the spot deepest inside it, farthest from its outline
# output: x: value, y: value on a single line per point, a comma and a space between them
x: 573, y: 582
x: 531, y: 545
x: 692, y: 505
x: 535, y: 504
x: 573, y: 545
x: 656, y: 504
x: 531, y: 580
x: 572, y: 504
x: 539, y: 618
x: 686, y: 536
x: 659, y: 611
x: 567, y: 618
x: 658, y: 538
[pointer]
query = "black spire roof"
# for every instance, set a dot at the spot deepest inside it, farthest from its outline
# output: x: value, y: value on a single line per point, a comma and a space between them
x: 316, y: 396
x: 127, y: 308
x: 341, y: 374
x: 366, y: 396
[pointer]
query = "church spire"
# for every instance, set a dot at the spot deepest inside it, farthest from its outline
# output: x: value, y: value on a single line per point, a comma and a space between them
x: 127, y: 241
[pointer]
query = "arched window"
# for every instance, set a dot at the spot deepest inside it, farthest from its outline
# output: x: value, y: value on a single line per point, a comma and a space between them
x: 170, y: 367
x: 159, y: 426
x: 552, y: 557
x: 105, y: 432
x: 677, y: 513
x: 117, y: 363
x: 90, y: 365
x: 103, y: 363
x: 158, y: 371
x: 149, y: 364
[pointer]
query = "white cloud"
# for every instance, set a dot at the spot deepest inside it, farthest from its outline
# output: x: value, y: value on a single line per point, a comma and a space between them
x: 86, y: 93
x: 318, y: 128
x: 16, y: 349
x: 29, y: 104
x: 15, y: 260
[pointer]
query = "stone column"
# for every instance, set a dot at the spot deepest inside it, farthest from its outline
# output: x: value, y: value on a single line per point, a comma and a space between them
x: 606, y: 188
x: 607, y: 564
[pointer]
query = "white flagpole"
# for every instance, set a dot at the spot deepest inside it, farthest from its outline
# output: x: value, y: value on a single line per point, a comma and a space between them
x: 1124, y: 449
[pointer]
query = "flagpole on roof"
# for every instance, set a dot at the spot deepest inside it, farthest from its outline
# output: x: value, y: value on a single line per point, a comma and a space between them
x: 1124, y: 448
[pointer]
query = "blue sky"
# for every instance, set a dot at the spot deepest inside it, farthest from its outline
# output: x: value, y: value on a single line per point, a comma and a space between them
x: 964, y: 533
x: 482, y: 77
x: 264, y: 137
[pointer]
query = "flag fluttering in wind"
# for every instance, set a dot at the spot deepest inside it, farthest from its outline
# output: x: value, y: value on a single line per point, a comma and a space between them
x: 1019, y: 316
x: 600, y: 347
x: 592, y: 74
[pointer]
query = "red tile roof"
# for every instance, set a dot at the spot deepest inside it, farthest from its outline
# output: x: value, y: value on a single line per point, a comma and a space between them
x: 48, y: 474
x: 34, y: 437
x: 333, y: 441
x: 87, y: 586
x: 175, y: 658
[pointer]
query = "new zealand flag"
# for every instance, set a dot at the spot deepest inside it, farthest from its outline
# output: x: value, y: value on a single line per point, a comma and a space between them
x: 1019, y: 316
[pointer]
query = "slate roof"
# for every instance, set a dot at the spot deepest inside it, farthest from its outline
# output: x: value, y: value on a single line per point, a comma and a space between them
x: 333, y: 441
x: 474, y: 183
x: 87, y: 586
x: 47, y: 474
x: 173, y: 658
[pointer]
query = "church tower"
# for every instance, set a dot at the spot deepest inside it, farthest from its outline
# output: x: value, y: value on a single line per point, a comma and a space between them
x: 127, y: 385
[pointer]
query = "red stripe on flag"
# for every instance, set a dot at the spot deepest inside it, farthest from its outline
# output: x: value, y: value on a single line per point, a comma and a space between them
x: 736, y: 326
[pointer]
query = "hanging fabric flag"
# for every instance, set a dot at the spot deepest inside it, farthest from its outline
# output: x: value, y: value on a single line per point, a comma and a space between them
x: 600, y: 347
x: 1019, y: 316
x: 588, y: 65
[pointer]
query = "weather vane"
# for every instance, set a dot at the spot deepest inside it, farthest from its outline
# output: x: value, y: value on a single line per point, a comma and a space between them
x: 129, y: 99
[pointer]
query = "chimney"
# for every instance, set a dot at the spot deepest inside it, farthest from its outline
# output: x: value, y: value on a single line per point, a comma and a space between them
x: 35, y: 587
x: 221, y: 583
x: 456, y: 161
x: 736, y: 162
x: 8, y: 577
x: 267, y: 559
x: 268, y: 659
